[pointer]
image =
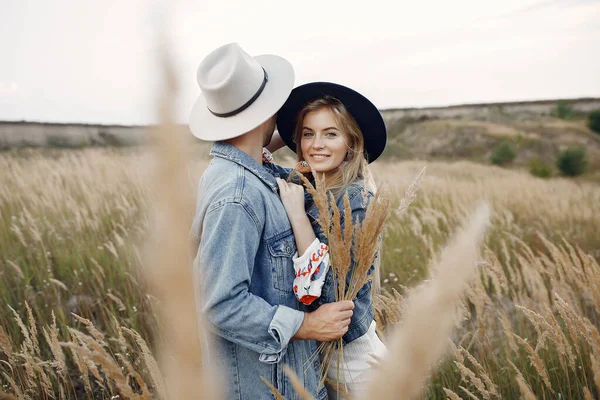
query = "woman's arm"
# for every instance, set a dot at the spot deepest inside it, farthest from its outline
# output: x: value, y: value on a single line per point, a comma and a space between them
x: 292, y: 197
x: 311, y: 270
x: 313, y: 263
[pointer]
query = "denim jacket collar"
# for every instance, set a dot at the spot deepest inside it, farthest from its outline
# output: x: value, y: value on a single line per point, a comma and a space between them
x: 232, y: 153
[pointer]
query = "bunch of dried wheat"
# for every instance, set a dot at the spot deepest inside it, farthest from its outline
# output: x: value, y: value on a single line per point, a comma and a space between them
x: 352, y: 248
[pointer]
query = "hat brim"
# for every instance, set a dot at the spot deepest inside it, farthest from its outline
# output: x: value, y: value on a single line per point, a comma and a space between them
x: 206, y: 126
x: 365, y: 113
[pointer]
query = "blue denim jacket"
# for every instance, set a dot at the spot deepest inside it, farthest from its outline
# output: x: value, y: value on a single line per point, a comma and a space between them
x: 245, y: 263
x: 363, y: 303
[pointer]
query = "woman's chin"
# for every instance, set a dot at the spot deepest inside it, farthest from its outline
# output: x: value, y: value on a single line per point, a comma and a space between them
x: 317, y: 167
x: 321, y: 169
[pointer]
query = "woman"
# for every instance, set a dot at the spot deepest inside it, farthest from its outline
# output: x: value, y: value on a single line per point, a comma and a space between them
x: 335, y: 131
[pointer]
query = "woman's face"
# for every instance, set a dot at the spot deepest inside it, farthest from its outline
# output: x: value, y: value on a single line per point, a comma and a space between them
x: 323, y: 144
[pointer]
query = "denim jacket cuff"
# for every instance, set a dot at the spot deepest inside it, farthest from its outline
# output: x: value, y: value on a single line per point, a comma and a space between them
x: 283, y: 327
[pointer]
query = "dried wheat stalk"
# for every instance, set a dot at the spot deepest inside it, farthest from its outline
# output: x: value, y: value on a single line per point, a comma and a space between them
x: 170, y: 272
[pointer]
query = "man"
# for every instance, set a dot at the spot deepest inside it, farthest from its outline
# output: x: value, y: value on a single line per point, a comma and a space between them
x: 243, y: 267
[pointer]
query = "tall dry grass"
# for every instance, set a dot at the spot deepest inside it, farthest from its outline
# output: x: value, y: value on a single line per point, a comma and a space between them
x: 119, y: 370
x: 429, y: 316
x: 72, y: 225
x: 531, y: 318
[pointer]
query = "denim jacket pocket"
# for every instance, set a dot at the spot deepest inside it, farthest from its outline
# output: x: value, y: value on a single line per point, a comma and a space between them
x: 282, y: 248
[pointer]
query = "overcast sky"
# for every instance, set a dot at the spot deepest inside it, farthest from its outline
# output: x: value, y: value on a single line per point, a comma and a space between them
x: 95, y: 61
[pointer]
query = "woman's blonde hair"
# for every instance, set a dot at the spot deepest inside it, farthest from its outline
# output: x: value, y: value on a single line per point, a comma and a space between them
x: 355, y: 165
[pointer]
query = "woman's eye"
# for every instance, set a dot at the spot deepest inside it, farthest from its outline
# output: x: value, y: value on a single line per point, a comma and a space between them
x: 307, y: 134
x: 331, y: 134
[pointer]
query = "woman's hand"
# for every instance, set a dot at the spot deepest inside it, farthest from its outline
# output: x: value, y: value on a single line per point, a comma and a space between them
x: 292, y: 197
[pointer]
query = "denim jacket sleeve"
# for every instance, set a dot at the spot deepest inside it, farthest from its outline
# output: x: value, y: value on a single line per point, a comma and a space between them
x: 277, y: 170
x: 227, y: 257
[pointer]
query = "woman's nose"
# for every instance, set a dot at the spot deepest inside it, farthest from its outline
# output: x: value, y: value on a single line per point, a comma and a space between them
x: 318, y: 142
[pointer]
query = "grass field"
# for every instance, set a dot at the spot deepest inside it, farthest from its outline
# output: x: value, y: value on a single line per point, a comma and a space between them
x: 73, y: 228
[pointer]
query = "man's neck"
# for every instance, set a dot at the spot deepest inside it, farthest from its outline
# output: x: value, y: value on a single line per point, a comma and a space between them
x: 250, y: 143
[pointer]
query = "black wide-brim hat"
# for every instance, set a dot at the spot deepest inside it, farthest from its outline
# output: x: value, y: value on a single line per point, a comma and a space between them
x: 365, y: 113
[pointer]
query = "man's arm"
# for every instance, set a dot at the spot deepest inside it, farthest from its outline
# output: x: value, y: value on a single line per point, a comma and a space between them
x: 223, y: 270
x: 274, y: 169
x: 276, y: 142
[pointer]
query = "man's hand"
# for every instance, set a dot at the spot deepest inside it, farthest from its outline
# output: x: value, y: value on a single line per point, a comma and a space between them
x: 329, y: 322
x: 276, y: 142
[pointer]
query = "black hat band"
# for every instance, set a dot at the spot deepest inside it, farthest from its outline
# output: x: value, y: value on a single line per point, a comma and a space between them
x: 245, y: 105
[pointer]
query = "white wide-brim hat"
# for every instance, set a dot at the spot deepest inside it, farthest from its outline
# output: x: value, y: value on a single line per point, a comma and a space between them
x: 239, y: 92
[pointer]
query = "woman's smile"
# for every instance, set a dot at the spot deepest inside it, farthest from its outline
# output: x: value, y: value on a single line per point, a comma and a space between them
x: 319, y: 157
